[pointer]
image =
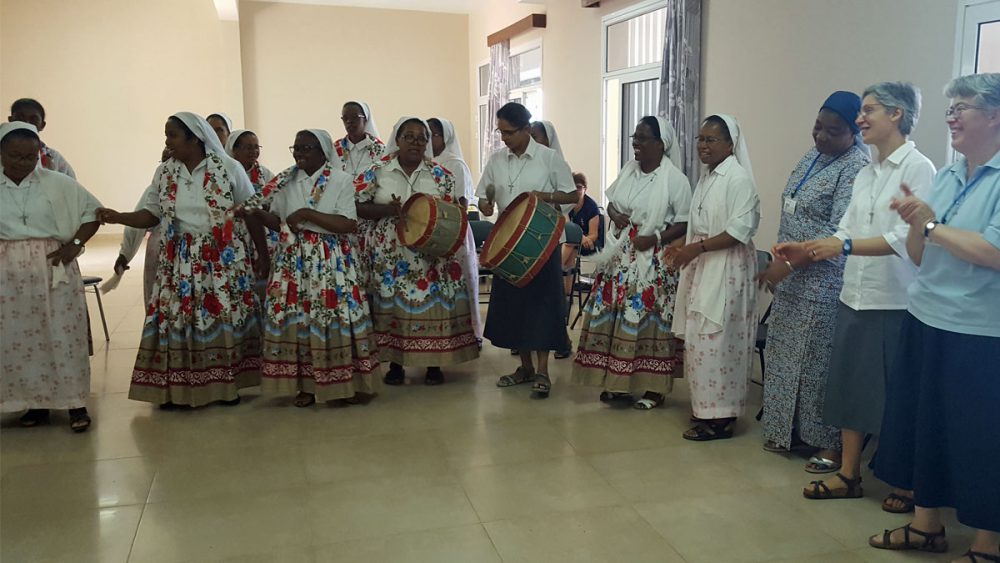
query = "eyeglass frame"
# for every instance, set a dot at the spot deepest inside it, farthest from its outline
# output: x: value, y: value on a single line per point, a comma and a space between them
x: 957, y: 110
x: 304, y: 148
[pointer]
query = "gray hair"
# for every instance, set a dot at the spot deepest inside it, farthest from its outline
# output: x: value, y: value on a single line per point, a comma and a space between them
x: 983, y: 88
x: 898, y: 95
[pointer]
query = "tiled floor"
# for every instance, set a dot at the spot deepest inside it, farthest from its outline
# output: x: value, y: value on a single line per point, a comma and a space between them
x: 464, y: 472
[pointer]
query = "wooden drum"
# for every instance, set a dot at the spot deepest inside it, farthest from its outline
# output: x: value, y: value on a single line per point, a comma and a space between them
x: 433, y: 226
x: 523, y: 239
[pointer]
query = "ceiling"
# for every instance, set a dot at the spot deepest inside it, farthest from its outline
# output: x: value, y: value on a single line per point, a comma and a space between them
x: 450, y: 6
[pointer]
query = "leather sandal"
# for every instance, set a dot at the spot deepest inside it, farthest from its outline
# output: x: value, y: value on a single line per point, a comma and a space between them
x: 820, y: 490
x: 933, y: 542
x: 519, y: 376
x: 79, y: 420
x: 34, y: 417
x: 979, y: 556
x: 303, y: 400
x: 649, y: 401
x: 434, y: 376
x: 542, y: 386
x: 612, y: 397
x: 396, y: 375
x: 907, y: 503
x: 709, y: 430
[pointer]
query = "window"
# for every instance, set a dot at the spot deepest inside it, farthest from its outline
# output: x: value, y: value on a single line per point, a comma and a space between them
x: 525, y: 89
x: 633, y: 51
x: 977, y: 41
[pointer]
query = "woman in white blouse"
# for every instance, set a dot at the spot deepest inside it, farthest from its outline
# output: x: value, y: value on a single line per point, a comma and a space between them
x: 873, y: 299
x: 201, y: 339
x: 45, y: 219
x: 716, y: 295
x: 133, y: 239
x: 525, y: 166
x: 420, y: 303
x: 318, y: 339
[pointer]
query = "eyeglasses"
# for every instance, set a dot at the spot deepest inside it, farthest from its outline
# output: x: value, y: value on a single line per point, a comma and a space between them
x: 414, y: 139
x: 868, y: 110
x: 302, y: 148
x: 249, y: 147
x: 642, y: 139
x: 708, y: 140
x: 352, y: 118
x: 957, y: 110
x: 508, y: 132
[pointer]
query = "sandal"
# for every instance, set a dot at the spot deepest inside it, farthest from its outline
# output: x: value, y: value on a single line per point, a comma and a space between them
x: 907, y: 503
x: 434, y: 376
x: 542, y: 386
x: 649, y: 401
x: 303, y: 400
x: 710, y: 430
x: 822, y: 465
x: 611, y: 397
x: 976, y: 556
x: 79, y: 420
x: 519, y: 376
x: 930, y: 542
x: 396, y: 375
x: 820, y: 490
x: 34, y: 417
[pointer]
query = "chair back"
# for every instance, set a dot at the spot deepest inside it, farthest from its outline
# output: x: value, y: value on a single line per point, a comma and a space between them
x: 574, y: 234
x: 764, y: 260
x: 480, y: 231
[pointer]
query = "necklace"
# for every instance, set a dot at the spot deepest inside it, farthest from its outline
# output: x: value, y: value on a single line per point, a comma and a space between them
x: 511, y: 182
x: 23, y: 204
x: 874, y: 199
x: 710, y: 184
x: 415, y: 176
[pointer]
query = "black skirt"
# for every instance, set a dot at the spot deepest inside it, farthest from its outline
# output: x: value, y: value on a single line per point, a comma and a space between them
x: 940, y: 433
x: 529, y: 318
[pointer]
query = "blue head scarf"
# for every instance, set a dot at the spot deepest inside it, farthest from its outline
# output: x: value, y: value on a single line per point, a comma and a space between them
x: 847, y: 105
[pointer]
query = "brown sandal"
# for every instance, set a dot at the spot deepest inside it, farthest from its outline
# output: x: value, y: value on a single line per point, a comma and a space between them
x: 907, y: 503
x: 304, y: 400
x: 930, y: 541
x: 820, y: 490
x: 976, y: 556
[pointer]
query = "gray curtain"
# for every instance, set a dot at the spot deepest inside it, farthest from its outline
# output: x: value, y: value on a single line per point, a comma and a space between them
x: 680, y: 78
x: 499, y: 93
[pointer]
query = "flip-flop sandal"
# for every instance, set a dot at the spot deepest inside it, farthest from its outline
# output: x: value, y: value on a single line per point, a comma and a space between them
x: 929, y: 543
x: 907, y: 503
x: 34, y: 417
x: 304, y: 400
x: 79, y: 420
x: 820, y: 490
x: 519, y: 376
x: 821, y: 465
x: 542, y: 386
x: 646, y: 403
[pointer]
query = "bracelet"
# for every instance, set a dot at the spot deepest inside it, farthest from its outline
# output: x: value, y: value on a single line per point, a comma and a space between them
x: 702, y: 244
x: 790, y: 267
x: 659, y: 238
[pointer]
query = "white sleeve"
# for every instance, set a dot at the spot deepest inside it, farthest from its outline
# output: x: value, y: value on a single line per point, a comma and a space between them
x: 242, y: 188
x: 680, y: 196
x: 345, y: 204
x: 150, y: 200
x: 920, y: 179
x: 132, y: 239
x: 744, y: 209
x: 485, y: 180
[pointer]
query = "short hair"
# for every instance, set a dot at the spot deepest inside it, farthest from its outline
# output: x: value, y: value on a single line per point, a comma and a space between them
x: 188, y: 133
x: 983, y: 88
x: 898, y: 95
x: 399, y: 132
x: 236, y: 143
x: 578, y: 177
x: 722, y: 126
x: 27, y: 103
x: 18, y: 134
x: 515, y: 114
x: 222, y: 119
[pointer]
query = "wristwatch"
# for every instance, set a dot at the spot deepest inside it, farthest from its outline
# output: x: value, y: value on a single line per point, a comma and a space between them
x: 78, y: 242
x: 848, y: 247
x: 929, y: 227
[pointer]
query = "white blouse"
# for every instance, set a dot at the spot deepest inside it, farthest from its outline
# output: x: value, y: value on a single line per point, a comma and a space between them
x: 725, y: 200
x: 38, y: 206
x: 338, y: 197
x: 633, y: 192
x: 880, y: 282
x: 394, y: 181
x: 191, y: 210
x: 538, y: 169
x: 357, y: 158
x: 463, y: 178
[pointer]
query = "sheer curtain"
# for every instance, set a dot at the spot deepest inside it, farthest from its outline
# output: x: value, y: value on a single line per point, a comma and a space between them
x: 499, y: 93
x: 680, y: 78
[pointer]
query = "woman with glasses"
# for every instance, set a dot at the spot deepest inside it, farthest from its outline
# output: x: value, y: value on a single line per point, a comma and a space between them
x: 244, y: 146
x: 626, y: 344
x: 318, y: 338
x: 222, y: 126
x: 939, y: 432
x: 525, y: 166
x: 800, y: 334
x: 421, y: 304
x: 878, y: 271
x: 201, y: 339
x: 716, y: 294
x: 45, y: 219
x: 358, y: 151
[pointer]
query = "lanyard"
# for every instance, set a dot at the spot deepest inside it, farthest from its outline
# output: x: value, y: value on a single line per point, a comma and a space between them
x: 809, y: 172
x: 960, y: 198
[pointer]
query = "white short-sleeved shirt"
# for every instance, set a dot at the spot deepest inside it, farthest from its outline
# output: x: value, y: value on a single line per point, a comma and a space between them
x: 27, y: 211
x: 538, y: 169
x: 633, y: 192
x: 880, y: 282
x: 338, y: 197
x: 191, y: 209
x: 725, y: 200
x: 358, y: 157
x: 394, y: 181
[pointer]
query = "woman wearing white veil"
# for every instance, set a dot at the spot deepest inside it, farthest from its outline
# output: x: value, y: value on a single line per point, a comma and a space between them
x: 201, y: 339
x: 544, y: 133
x: 716, y: 296
x: 448, y: 153
x: 421, y: 304
x: 244, y: 146
x: 626, y: 345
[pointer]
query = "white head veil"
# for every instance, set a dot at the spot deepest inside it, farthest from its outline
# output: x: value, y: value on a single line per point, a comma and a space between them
x: 201, y: 129
x: 225, y: 118
x: 326, y: 143
x: 10, y: 126
x: 669, y: 138
x: 391, y: 146
x: 452, y: 148
x: 550, y: 132
x: 740, y: 150
x: 234, y: 136
x: 370, y: 126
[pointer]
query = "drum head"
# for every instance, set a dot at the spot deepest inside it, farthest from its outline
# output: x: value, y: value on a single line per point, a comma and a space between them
x: 418, y: 214
x: 506, y: 226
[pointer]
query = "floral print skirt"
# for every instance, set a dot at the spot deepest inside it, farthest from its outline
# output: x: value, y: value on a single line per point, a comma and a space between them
x: 421, y: 304
x: 43, y: 331
x: 201, y: 339
x: 318, y: 333
x: 625, y: 343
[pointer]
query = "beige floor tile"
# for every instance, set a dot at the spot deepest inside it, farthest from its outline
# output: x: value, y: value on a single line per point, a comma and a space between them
x: 90, y: 484
x: 286, y: 554
x: 244, y: 524
x: 466, y: 544
x: 615, y: 430
x: 58, y: 444
x: 363, y: 509
x: 836, y: 557
x: 530, y: 488
x: 384, y: 456
x: 98, y: 535
x: 748, y: 526
x: 510, y: 441
x: 615, y: 533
